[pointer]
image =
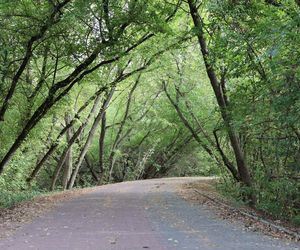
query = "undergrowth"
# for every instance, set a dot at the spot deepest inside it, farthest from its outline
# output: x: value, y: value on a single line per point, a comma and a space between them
x: 10, y: 198
x: 277, y: 198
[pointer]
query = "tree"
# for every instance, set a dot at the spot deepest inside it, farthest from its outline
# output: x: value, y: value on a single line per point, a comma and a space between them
x: 220, y: 93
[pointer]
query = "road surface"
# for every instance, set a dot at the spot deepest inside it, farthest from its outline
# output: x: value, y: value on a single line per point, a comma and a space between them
x: 136, y: 215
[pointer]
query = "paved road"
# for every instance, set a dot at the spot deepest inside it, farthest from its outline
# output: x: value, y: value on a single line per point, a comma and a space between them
x: 136, y: 215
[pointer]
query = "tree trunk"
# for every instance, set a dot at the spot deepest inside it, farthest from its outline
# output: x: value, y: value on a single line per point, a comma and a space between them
x: 235, y: 144
x: 90, y: 167
x: 90, y: 138
x: 72, y: 140
x: 216, y: 145
x: 101, y: 147
x: 69, y: 157
x: 60, y: 135
x: 116, y: 141
x: 189, y: 127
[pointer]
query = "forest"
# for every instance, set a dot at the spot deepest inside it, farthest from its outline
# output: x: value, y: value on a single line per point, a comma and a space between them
x: 100, y: 91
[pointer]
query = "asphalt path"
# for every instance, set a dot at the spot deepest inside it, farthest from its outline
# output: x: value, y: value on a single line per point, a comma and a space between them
x: 137, y: 215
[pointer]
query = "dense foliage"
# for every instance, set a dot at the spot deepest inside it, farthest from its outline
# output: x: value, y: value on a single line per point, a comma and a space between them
x: 93, y: 92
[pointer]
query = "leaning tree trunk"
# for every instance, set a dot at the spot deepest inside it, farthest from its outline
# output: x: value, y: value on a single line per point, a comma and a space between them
x: 101, y: 147
x: 69, y: 157
x: 219, y: 94
x: 229, y: 165
x: 56, y: 142
x: 197, y: 138
x: 70, y: 143
x: 90, y: 138
x: 119, y: 133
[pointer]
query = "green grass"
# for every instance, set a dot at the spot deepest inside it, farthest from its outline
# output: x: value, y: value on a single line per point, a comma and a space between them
x: 9, y: 198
